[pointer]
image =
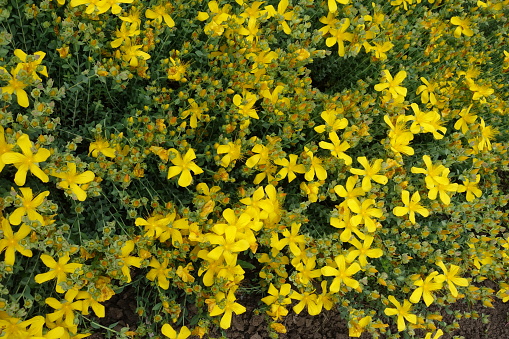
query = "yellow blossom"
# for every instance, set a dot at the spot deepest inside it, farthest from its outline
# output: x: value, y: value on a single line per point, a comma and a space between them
x: 31, y: 67
x: 451, y: 277
x: 370, y: 173
x: 105, y: 5
x: 11, y: 242
x: 71, y: 179
x: 341, y: 274
x: 228, y: 309
x: 131, y: 53
x: 315, y: 168
x: 463, y: 26
x: 411, y: 206
x: 160, y: 13
x: 290, y: 167
x: 339, y: 35
x: 337, y: 147
x: 183, y: 165
x: 126, y: 260
x: 64, y: 311
x: 101, y: 146
x: 471, y: 188
x: 333, y: 6
x: 425, y: 287
x: 159, y: 271
x: 393, y: 85
x: 169, y: 332
x: 26, y: 161
x: 402, y: 311
x: 363, y: 251
x: 465, y: 120
x: 58, y: 270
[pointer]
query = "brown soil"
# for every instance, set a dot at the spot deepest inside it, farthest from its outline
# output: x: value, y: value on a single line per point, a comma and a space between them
x: 328, y: 325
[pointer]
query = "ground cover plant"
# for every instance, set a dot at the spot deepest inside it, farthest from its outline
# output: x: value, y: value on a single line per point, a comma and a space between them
x: 346, y: 155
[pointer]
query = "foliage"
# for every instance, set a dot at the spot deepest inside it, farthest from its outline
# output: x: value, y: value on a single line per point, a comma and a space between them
x: 347, y: 154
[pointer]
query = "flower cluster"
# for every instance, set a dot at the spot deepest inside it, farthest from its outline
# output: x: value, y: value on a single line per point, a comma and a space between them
x: 197, y: 150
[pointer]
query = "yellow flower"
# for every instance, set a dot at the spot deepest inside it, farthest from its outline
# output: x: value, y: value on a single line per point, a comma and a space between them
x: 196, y: 112
x: 90, y: 301
x: 4, y: 147
x: 315, y: 168
x: 16, y: 86
x: 487, y: 133
x: 356, y: 327
x: 393, y: 84
x: 177, y: 70
x: 245, y: 105
x: 370, y: 173
x: 232, y: 151
x: 345, y: 222
x: 261, y: 158
x: 71, y: 180
x: 364, y: 213
x: 101, y: 146
x: 64, y: 311
x: 126, y: 260
x: 281, y: 13
x: 333, y: 122
x: 363, y: 251
x: 306, y: 299
x: 92, y: 4
x: 278, y: 327
x: 154, y: 226
x: 29, y: 205
x: 28, y: 161
x: 379, y: 49
x: 341, y: 274
x: 31, y: 67
x: 451, y: 277
x: 169, y: 332
x: 227, y: 246
x: 311, y: 190
x: 105, y: 5
x: 11, y: 242
x: 465, y: 120
x: 433, y: 172
x: 337, y: 148
x: 278, y: 297
x: 349, y: 191
x: 506, y: 60
x: 183, y: 166
x: 442, y: 189
x: 290, y: 167
x: 480, y: 92
x: 58, y: 270
x: 131, y: 53
x: 333, y: 7
x: 306, y: 270
x: 291, y: 238
x: 463, y: 27
x: 402, y: 311
x: 425, y: 288
x: 160, y: 13
x: 411, y: 206
x: 159, y: 271
x: 427, y: 91
x: 124, y: 33
x: 63, y: 51
x: 437, y: 335
x: 339, y: 35
x: 230, y: 307
x: 471, y: 188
